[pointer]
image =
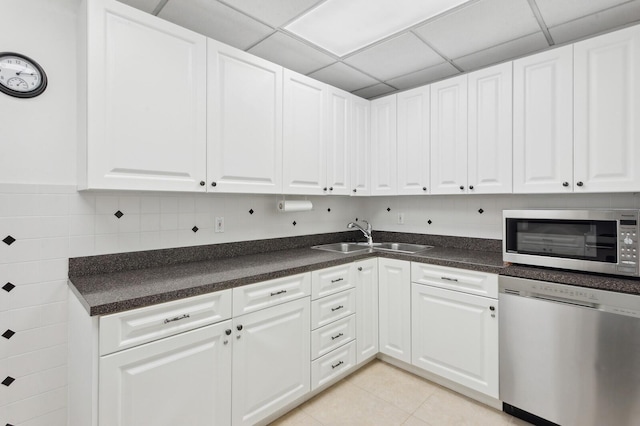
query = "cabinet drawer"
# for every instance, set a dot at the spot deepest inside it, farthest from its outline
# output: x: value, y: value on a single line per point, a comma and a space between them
x: 331, y: 280
x: 331, y: 336
x: 332, y: 308
x: 472, y: 282
x: 135, y: 327
x: 332, y: 365
x: 251, y: 298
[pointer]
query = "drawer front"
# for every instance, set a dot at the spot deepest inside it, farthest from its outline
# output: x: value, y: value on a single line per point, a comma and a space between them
x: 332, y: 308
x: 333, y: 365
x: 137, y: 326
x: 253, y: 297
x: 331, y: 336
x: 331, y: 280
x: 472, y: 282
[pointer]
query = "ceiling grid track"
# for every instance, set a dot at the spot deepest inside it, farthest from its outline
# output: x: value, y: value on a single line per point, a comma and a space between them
x: 540, y: 19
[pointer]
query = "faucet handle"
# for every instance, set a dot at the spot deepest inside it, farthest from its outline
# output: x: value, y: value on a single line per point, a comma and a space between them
x: 368, y: 224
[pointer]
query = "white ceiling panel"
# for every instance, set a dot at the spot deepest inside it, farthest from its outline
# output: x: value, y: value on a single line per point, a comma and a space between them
x: 598, y: 22
x: 398, y: 56
x: 422, y: 77
x: 555, y: 12
x: 291, y: 53
x: 374, y: 91
x: 478, y: 26
x: 344, y: 77
x: 273, y: 12
x: 145, y: 5
x: 216, y: 20
x: 503, y: 52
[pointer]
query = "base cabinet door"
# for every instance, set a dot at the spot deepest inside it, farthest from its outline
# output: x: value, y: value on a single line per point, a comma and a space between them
x: 366, y: 309
x: 183, y: 379
x: 455, y: 335
x: 271, y: 360
x: 394, y: 280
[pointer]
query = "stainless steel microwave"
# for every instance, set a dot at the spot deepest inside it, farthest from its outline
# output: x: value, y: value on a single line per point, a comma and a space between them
x: 594, y: 240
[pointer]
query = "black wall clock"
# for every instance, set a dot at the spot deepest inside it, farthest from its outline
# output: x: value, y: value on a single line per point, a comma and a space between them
x: 21, y: 76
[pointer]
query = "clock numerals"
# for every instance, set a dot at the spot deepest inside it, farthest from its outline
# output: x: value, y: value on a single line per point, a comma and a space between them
x: 21, y: 76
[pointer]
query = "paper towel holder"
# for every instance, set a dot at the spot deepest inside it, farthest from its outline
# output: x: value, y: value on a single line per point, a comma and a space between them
x: 285, y: 206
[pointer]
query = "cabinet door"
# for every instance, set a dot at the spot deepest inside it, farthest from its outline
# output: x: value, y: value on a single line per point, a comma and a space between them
x: 489, y: 161
x: 366, y: 309
x: 449, y: 136
x: 413, y: 141
x: 146, y: 102
x: 183, y: 379
x: 338, y: 141
x: 383, y: 146
x: 304, y: 155
x: 271, y: 360
x: 360, y: 161
x: 542, y: 122
x: 455, y: 335
x: 244, y: 135
x: 607, y: 112
x: 395, y: 308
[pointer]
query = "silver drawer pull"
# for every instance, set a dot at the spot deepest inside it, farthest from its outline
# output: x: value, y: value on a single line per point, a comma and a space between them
x: 335, y: 309
x: 168, y: 320
x: 337, y: 280
x: 338, y: 364
x: 335, y: 337
x: 278, y: 292
x: 449, y: 279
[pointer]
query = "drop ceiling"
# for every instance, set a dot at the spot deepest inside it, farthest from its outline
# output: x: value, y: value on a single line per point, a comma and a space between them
x: 377, y: 47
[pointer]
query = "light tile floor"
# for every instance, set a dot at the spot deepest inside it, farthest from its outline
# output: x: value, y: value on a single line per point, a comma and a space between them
x: 381, y: 394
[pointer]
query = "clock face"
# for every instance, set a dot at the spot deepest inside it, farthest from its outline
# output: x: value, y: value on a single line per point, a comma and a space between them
x: 20, y: 76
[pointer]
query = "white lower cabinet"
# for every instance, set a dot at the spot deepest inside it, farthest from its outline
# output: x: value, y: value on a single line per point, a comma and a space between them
x: 394, y: 317
x: 333, y: 365
x: 366, y: 278
x: 183, y: 379
x: 271, y: 350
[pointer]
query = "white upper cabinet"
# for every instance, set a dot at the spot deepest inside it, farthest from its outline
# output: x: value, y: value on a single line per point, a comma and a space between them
x: 543, y: 122
x: 607, y: 112
x: 413, y: 141
x: 490, y: 130
x: 383, y: 146
x: 304, y: 155
x: 144, y: 122
x: 449, y: 136
x: 338, y: 141
x: 244, y: 133
x: 360, y: 161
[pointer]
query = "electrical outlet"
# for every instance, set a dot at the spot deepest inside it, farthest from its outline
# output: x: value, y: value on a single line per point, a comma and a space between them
x: 219, y: 224
x: 400, y: 218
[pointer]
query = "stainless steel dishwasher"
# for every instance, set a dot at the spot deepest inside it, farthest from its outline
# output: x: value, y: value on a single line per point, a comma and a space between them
x: 569, y: 355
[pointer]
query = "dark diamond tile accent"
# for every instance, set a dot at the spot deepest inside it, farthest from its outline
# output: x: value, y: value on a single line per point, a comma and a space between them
x: 8, y: 424
x: 388, y: 209
x: 8, y: 380
x: 329, y: 210
x: 8, y: 334
x: 118, y: 214
x: 251, y: 211
x: 294, y: 223
x: 480, y: 211
x: 194, y: 229
x: 8, y: 287
x: 9, y: 240
x: 429, y: 222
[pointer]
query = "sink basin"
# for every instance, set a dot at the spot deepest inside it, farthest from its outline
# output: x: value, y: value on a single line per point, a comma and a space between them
x: 402, y: 247
x: 343, y: 247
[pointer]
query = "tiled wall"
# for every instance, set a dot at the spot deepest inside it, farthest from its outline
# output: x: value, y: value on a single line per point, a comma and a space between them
x: 41, y: 226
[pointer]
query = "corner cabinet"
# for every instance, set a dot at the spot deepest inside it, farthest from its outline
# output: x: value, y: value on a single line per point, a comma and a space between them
x: 413, y: 141
x: 383, y: 146
x: 360, y: 147
x: 143, y: 79
x: 366, y: 280
x: 244, y: 144
x: 607, y: 112
x: 338, y: 141
x: 394, y: 281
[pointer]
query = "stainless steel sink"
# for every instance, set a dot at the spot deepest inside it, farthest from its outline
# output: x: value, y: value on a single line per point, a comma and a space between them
x: 343, y: 247
x: 361, y: 247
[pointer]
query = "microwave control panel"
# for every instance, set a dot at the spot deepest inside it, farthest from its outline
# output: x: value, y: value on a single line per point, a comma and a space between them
x: 628, y: 246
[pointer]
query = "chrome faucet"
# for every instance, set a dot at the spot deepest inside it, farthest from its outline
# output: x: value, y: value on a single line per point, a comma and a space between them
x: 366, y: 232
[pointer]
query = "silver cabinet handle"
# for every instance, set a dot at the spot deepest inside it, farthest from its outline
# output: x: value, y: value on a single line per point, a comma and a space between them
x: 278, y: 292
x: 181, y: 317
x: 335, y: 309
x: 338, y: 364
x: 337, y: 280
x: 337, y: 336
x: 449, y: 279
